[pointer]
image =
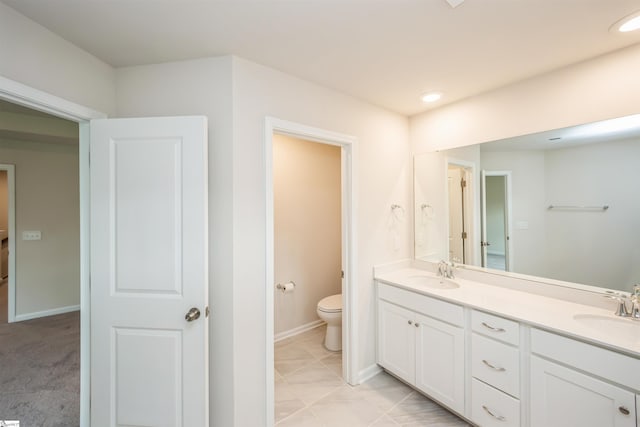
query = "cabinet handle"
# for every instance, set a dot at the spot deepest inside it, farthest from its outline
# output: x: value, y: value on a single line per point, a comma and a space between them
x: 409, y: 322
x: 624, y: 410
x: 491, y: 328
x: 495, y: 368
x: 497, y: 417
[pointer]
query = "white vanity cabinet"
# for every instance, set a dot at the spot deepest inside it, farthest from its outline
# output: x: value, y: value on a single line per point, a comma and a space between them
x: 592, y: 391
x: 498, y: 368
x: 421, y: 340
x: 495, y: 370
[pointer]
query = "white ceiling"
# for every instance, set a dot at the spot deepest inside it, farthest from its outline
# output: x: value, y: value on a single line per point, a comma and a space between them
x: 387, y: 52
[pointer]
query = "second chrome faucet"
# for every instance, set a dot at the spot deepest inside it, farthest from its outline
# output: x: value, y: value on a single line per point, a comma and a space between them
x: 622, y: 309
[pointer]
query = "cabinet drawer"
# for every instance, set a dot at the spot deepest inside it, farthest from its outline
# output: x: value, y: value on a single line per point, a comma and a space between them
x: 490, y: 407
x: 495, y: 327
x: 432, y: 307
x: 496, y: 364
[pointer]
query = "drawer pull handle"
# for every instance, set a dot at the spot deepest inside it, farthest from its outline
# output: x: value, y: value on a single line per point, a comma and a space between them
x: 497, y: 417
x: 491, y: 328
x: 495, y: 368
x: 624, y: 410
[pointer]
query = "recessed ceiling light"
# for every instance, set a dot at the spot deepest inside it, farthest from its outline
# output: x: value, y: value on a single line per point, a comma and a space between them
x: 431, y: 97
x: 628, y: 23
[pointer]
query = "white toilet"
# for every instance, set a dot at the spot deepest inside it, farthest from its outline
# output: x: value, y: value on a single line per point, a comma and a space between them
x: 329, y: 309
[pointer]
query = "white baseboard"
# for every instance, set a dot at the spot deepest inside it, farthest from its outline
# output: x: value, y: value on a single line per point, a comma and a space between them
x: 368, y: 373
x: 45, y: 313
x: 295, y: 331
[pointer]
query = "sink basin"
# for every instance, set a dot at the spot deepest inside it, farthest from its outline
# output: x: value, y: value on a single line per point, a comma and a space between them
x: 617, y: 326
x: 432, y: 282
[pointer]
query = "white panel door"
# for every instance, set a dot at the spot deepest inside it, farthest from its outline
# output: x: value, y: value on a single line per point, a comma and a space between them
x: 440, y: 361
x: 149, y: 363
x: 562, y: 397
x: 396, y: 340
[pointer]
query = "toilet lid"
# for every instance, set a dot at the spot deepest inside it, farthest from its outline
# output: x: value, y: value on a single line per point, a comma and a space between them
x: 331, y: 304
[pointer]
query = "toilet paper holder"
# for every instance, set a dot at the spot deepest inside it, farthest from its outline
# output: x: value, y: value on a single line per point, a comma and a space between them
x: 286, y: 287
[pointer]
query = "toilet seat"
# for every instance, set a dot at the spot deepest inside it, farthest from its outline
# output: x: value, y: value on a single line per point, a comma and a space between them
x: 331, y: 304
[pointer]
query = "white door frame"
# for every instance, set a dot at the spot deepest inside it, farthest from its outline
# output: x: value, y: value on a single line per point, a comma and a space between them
x: 348, y: 145
x: 472, y: 216
x: 508, y: 226
x: 11, y: 233
x: 29, y: 97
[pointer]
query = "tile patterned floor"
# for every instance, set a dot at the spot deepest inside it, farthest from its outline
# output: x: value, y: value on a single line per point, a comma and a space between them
x: 310, y: 392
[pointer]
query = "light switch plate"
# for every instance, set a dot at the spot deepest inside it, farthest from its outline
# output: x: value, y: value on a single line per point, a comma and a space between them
x: 32, y: 235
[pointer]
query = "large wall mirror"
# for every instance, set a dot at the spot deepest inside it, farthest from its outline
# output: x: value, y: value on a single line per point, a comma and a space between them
x: 561, y: 204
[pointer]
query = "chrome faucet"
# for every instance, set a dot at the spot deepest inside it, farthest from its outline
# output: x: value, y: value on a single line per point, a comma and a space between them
x: 635, y: 303
x: 446, y: 269
x: 621, y: 299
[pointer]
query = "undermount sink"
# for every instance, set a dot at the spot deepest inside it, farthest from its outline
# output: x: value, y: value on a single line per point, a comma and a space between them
x: 618, y: 326
x: 432, y: 282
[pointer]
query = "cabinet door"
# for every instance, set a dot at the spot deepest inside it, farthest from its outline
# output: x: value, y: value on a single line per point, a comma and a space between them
x: 440, y: 361
x: 562, y: 397
x: 396, y: 340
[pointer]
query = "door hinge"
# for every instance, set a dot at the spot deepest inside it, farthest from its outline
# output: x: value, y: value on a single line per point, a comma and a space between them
x: 342, y: 274
x: 464, y: 234
x: 463, y: 183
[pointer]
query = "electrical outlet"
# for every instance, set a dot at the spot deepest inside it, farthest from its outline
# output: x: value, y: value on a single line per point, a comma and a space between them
x: 32, y: 235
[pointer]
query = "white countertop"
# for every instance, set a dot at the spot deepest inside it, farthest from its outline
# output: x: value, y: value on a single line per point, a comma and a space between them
x: 539, y: 311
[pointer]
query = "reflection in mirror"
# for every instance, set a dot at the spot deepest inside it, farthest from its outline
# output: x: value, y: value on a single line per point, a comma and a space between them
x: 496, y: 219
x: 579, y: 171
x: 460, y: 211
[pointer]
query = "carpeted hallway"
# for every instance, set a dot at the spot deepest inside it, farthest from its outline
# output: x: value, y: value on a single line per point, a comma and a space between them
x: 40, y: 369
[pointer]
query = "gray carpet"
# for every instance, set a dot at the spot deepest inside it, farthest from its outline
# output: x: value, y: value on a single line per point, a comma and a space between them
x: 40, y: 369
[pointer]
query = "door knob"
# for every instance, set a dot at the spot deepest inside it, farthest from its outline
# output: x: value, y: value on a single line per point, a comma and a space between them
x: 192, y: 315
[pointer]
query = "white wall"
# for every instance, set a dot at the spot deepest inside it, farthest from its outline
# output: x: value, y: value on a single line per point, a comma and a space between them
x: 597, y: 89
x: 47, y: 199
x: 430, y: 209
x: 33, y: 55
x: 202, y: 87
x: 308, y: 228
x: 383, y: 178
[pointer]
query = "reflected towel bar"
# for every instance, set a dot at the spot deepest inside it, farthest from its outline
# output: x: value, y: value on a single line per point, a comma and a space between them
x: 599, y: 208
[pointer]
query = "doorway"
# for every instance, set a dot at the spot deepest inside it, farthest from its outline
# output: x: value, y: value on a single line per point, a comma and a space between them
x: 496, y: 220
x: 37, y: 100
x: 307, y: 269
x: 41, y: 270
x: 347, y: 146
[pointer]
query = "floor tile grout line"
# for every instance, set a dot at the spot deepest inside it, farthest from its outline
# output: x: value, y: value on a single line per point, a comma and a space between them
x: 398, y: 403
x: 284, y: 376
x: 308, y: 406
